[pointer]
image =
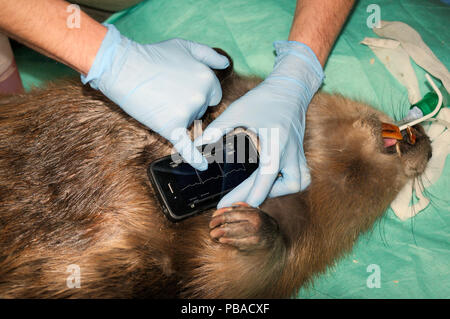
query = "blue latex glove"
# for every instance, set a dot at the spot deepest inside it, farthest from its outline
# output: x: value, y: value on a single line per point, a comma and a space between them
x: 278, y: 104
x: 165, y: 86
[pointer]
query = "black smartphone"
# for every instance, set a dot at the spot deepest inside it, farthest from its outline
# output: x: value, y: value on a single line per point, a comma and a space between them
x: 184, y: 191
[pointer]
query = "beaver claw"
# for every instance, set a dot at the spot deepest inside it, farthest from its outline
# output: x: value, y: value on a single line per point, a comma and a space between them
x: 243, y: 227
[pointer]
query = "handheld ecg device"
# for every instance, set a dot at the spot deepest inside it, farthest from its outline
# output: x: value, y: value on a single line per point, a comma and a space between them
x: 184, y: 191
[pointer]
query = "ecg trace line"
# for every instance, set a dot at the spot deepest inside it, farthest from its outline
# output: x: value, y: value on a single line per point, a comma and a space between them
x: 211, y: 178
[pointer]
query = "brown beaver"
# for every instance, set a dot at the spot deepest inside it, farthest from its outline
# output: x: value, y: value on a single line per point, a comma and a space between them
x: 74, y: 191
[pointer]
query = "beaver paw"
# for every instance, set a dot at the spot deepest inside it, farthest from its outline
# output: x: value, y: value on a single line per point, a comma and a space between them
x: 244, y: 227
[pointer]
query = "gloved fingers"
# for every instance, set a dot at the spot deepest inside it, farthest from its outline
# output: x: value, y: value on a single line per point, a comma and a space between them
x: 305, y: 176
x: 202, y: 110
x: 269, y: 166
x: 213, y: 133
x: 188, y: 151
x: 239, y: 193
x: 207, y: 55
x: 287, y: 183
x: 261, y: 188
x: 215, y: 95
x: 210, y: 58
x: 289, y: 179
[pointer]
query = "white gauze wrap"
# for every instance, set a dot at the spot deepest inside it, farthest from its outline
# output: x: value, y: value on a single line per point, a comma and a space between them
x: 401, y: 42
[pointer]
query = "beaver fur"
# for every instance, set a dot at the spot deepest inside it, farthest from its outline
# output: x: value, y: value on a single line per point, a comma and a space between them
x: 74, y: 191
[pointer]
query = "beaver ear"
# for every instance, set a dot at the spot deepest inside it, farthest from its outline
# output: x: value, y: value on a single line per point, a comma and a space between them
x: 225, y: 73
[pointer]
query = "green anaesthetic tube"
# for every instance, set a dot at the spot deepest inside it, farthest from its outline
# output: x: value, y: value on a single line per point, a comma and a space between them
x: 426, y: 105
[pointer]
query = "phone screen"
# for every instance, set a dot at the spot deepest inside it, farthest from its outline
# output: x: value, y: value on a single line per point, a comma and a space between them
x: 185, y: 191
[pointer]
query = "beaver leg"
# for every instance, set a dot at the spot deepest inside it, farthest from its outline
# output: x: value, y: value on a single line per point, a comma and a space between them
x: 241, y: 256
x: 244, y: 227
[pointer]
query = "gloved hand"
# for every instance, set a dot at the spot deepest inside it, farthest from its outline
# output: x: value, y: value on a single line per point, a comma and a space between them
x: 165, y: 86
x: 275, y: 110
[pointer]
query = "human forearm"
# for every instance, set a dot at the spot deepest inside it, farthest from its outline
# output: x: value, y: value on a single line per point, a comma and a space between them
x: 317, y: 23
x: 42, y: 25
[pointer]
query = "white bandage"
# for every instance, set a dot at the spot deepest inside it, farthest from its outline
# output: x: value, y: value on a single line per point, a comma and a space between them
x: 439, y: 134
x: 401, y: 42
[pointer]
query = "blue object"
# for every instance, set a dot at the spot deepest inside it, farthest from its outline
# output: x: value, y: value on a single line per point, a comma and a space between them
x: 165, y: 86
x: 426, y: 106
x: 275, y: 110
